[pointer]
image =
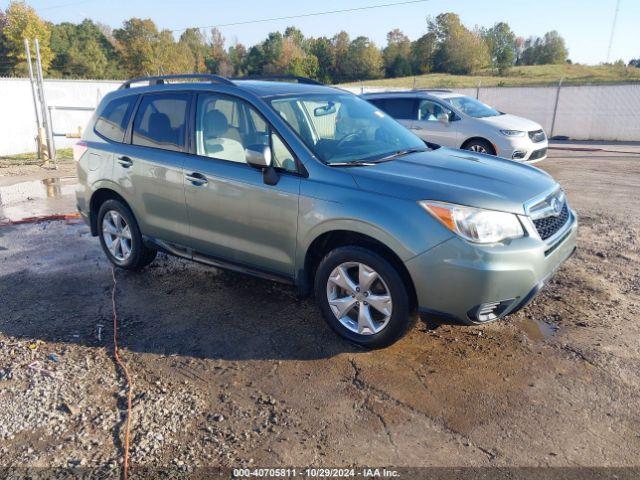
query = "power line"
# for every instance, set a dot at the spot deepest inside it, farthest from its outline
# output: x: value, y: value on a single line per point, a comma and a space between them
x: 304, y: 15
x: 62, y: 5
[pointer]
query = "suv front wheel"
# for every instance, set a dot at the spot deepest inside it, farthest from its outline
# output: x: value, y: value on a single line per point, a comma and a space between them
x: 120, y: 237
x: 362, y: 296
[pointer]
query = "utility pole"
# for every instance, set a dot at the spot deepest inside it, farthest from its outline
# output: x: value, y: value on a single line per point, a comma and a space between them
x: 51, y: 150
x: 613, y: 30
x: 555, y: 108
x: 34, y: 94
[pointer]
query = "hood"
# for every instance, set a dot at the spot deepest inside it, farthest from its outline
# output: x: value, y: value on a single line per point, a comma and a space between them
x: 456, y: 176
x: 511, y: 122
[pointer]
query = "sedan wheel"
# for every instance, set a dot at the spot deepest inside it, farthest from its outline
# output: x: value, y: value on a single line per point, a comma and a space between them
x: 477, y: 148
x: 359, y: 298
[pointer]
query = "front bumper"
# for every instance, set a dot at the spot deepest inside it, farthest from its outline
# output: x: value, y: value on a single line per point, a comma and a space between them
x: 456, y: 278
x: 522, y: 149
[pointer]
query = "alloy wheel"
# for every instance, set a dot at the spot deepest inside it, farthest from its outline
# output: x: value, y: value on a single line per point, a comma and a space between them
x: 117, y: 235
x: 477, y: 148
x: 359, y: 298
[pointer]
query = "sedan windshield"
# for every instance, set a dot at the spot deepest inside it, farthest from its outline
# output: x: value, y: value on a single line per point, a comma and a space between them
x: 342, y: 129
x: 473, y: 107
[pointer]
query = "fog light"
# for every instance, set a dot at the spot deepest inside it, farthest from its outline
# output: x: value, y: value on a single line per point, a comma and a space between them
x: 518, y: 155
x: 486, y: 312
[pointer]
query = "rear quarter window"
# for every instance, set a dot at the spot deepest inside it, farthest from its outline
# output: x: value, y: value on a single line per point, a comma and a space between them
x: 113, y: 120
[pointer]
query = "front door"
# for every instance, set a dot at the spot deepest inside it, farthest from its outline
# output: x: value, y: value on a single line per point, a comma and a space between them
x: 233, y: 215
x: 431, y: 127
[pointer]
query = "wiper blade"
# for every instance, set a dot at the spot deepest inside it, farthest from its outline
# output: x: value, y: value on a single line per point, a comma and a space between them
x: 373, y: 161
x: 350, y: 164
x: 400, y: 153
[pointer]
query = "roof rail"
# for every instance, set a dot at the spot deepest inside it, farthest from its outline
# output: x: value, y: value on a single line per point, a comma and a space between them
x: 305, y: 80
x: 443, y: 90
x: 160, y: 79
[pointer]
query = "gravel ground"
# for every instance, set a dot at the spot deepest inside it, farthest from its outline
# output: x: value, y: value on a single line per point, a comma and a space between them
x: 231, y: 371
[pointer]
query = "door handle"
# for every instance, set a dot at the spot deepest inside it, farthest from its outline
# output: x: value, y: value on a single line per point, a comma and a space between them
x: 416, y: 128
x: 125, y: 161
x: 196, y: 179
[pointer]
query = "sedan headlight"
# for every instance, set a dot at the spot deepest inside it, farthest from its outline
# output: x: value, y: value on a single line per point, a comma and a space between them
x: 475, y: 224
x: 513, y: 133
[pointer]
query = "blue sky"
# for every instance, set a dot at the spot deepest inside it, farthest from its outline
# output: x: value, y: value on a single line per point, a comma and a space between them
x: 585, y: 24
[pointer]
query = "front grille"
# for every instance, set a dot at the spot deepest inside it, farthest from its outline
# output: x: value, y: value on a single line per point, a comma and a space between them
x: 536, y: 136
x: 548, y: 226
x: 536, y: 154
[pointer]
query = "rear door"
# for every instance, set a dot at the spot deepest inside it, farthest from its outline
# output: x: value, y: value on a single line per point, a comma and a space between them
x: 404, y: 110
x: 149, y: 169
x: 234, y: 216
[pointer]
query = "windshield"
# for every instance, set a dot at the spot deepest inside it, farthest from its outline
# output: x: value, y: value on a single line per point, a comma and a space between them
x: 342, y: 128
x: 472, y: 107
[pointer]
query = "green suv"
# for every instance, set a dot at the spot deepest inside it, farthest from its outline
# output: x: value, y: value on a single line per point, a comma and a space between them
x: 309, y: 185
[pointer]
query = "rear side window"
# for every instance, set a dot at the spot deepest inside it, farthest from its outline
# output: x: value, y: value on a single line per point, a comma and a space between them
x: 160, y: 121
x: 114, y: 118
x: 402, y: 108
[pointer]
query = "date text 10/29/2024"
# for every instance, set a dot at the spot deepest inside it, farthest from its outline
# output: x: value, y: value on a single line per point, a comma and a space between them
x: 315, y: 473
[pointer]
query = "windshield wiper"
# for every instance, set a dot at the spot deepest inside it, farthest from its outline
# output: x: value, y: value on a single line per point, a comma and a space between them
x: 400, y: 153
x: 373, y: 161
x: 350, y: 164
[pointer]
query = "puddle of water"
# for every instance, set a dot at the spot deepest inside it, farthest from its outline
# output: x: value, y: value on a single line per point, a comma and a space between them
x: 537, y: 330
x: 38, y: 198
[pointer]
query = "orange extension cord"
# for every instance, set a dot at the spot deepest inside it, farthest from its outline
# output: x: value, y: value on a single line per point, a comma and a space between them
x: 42, y: 218
x: 116, y: 354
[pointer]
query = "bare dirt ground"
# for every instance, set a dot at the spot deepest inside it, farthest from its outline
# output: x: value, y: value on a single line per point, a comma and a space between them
x: 233, y: 371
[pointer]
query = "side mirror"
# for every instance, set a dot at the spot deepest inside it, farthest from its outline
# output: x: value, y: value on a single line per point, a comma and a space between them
x: 258, y: 156
x: 443, y: 118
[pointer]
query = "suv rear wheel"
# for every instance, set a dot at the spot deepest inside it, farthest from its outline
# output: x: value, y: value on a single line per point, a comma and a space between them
x: 362, y: 296
x: 120, y: 237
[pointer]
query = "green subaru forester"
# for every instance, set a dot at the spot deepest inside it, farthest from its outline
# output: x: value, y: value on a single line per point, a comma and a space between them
x: 310, y: 185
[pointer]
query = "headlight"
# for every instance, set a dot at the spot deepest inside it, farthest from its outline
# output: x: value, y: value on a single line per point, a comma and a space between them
x: 512, y: 133
x: 475, y: 224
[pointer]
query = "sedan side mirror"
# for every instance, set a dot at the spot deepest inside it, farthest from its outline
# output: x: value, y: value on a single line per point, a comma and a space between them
x: 443, y: 118
x: 259, y: 156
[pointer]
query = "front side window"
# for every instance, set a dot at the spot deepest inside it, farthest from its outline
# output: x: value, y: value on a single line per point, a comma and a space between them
x: 114, y: 118
x: 341, y: 128
x: 226, y: 126
x: 429, y: 111
x: 160, y: 121
x: 473, y: 107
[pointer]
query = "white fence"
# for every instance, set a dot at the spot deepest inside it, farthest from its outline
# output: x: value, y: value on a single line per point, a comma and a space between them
x: 17, y: 115
x: 602, y: 112
x: 598, y: 112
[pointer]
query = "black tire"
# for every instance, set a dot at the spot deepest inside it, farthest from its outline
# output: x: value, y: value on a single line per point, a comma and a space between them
x: 140, y: 255
x: 480, y: 143
x: 400, y: 313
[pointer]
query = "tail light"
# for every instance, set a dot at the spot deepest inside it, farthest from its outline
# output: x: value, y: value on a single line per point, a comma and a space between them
x: 79, y: 150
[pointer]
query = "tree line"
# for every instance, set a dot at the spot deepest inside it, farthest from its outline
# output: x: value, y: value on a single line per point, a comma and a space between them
x: 93, y: 50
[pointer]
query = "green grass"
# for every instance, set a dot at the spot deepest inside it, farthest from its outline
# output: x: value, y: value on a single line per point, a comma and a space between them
x: 518, y: 76
x: 63, y: 155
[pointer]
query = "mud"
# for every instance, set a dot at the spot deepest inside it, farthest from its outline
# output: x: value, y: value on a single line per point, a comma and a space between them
x: 234, y: 371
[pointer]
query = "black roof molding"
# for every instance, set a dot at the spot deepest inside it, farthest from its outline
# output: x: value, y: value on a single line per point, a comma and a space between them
x: 305, y: 80
x: 161, y: 79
